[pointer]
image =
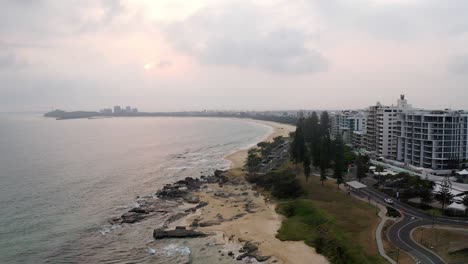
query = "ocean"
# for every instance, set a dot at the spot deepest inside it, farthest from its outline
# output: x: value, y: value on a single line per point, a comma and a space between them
x: 60, y: 182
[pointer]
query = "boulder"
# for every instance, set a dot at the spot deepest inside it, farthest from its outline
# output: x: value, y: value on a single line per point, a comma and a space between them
x: 179, y: 232
x: 132, y: 217
x: 138, y: 210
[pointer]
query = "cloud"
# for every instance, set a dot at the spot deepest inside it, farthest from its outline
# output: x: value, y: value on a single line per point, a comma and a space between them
x: 9, y: 60
x: 458, y: 64
x: 410, y: 19
x: 238, y: 35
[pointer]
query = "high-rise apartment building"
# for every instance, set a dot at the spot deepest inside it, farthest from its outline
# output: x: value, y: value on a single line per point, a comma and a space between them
x: 346, y: 123
x: 434, y: 140
x: 381, y: 128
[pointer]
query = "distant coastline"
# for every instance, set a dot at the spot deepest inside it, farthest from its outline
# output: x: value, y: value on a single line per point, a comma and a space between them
x: 278, y: 117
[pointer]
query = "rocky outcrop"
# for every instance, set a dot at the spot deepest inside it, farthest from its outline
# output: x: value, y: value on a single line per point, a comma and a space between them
x: 251, y: 250
x: 132, y: 217
x: 178, y: 232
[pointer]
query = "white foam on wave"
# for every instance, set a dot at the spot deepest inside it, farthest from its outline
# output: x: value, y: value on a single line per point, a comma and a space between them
x: 107, y: 230
x: 174, y: 249
x: 151, y: 251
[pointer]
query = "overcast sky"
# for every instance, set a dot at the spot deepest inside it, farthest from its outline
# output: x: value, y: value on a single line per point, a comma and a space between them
x: 165, y: 55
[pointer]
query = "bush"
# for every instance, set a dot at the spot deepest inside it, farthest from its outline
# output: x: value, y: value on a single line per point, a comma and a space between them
x: 283, y: 184
x: 392, y: 212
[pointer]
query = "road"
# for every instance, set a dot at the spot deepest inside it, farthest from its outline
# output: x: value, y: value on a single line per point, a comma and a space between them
x: 400, y: 233
x: 282, y: 152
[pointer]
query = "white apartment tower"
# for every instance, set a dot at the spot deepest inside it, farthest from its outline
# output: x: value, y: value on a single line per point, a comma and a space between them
x: 434, y: 140
x: 382, y: 128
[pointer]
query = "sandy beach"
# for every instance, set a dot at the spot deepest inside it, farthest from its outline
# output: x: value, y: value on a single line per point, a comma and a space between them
x: 238, y: 213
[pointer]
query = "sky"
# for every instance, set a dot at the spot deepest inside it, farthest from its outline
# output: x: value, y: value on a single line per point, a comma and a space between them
x: 173, y: 55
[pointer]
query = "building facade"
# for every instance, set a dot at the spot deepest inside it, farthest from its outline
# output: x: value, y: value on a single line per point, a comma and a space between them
x: 381, y: 128
x: 348, y: 123
x: 434, y: 140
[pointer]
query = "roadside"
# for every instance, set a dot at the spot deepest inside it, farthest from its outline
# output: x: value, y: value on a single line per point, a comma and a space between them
x: 449, y: 243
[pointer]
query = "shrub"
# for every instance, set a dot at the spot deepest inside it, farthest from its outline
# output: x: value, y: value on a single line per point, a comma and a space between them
x: 392, y: 212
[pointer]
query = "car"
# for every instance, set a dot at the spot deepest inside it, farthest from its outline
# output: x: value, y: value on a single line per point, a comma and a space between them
x: 389, y: 201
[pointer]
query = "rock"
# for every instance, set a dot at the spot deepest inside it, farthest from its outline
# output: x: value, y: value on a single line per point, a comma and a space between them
x: 179, y: 232
x: 237, y: 216
x: 139, y: 210
x: 248, y: 247
x: 132, y: 217
x: 115, y: 220
x: 230, y: 253
x: 195, y: 222
x: 219, y: 173
x: 209, y: 223
x: 250, y: 250
x: 191, y: 198
x: 261, y: 258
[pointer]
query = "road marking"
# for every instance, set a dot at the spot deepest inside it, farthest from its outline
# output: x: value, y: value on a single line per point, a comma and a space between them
x: 398, y: 234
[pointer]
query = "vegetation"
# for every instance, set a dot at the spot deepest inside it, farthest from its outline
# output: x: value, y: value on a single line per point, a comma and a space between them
x: 392, y: 212
x: 362, y: 166
x: 313, y: 145
x: 260, y: 153
x: 451, y: 245
x: 282, y: 184
x: 338, y: 226
x: 444, y: 196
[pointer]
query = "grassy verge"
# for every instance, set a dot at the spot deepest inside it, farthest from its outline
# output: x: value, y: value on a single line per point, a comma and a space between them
x: 451, y: 245
x: 336, y: 225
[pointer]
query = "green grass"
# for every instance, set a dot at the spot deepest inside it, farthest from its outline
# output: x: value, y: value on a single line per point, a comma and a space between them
x: 337, y: 225
x: 320, y: 230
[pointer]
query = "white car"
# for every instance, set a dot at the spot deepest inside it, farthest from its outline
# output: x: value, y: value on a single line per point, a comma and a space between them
x: 389, y: 201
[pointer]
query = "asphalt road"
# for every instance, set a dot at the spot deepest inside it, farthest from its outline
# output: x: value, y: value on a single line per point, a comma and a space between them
x: 281, y: 152
x: 400, y: 233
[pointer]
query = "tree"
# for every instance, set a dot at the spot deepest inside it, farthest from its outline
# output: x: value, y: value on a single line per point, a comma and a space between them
x: 324, y: 156
x: 298, y: 147
x: 314, y: 139
x: 325, y: 125
x: 306, y: 164
x: 426, y: 196
x: 444, y: 196
x: 339, y: 161
x: 379, y: 168
x: 253, y: 158
x: 323, y: 175
x: 362, y: 166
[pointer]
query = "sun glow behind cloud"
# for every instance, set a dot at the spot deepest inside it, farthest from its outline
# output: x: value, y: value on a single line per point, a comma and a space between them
x: 148, y: 66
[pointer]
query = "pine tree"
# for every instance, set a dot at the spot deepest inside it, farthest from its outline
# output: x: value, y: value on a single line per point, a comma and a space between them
x: 314, y: 139
x: 323, y: 175
x: 306, y: 164
x: 361, y: 166
x: 298, y: 147
x: 339, y: 160
x: 444, y: 194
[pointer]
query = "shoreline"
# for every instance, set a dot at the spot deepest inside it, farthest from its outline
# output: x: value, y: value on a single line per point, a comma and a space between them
x: 227, y: 208
x: 262, y: 224
x: 237, y: 158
